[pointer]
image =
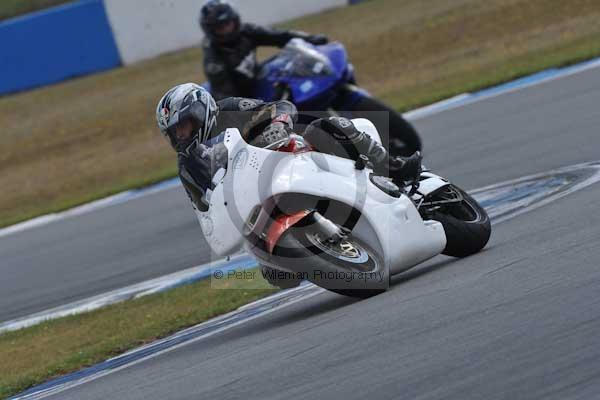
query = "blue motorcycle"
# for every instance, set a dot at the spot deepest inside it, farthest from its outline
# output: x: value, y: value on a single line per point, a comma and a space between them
x: 320, y: 79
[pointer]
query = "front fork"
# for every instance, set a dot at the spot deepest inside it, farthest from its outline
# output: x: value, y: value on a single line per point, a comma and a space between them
x: 331, y: 231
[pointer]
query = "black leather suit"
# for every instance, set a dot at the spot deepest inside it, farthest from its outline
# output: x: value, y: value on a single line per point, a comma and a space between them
x: 231, y: 68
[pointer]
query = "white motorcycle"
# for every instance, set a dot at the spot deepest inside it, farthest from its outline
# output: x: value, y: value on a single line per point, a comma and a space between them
x: 331, y: 220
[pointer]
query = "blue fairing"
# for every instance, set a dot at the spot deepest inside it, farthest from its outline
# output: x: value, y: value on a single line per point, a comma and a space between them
x: 304, y: 89
x: 312, y: 74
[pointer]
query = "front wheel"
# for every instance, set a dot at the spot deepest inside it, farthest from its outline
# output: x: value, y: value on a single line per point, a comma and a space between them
x: 466, y: 223
x: 280, y: 279
x: 331, y: 264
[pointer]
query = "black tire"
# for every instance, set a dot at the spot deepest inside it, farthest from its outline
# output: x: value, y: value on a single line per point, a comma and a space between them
x: 280, y: 280
x: 467, y: 226
x: 399, y: 136
x: 294, y: 246
x: 357, y: 293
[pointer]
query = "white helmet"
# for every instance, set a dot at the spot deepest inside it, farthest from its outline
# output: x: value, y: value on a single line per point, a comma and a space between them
x: 182, y: 103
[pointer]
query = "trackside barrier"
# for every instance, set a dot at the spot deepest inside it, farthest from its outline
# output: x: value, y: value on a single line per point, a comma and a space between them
x: 147, y: 28
x: 55, y: 44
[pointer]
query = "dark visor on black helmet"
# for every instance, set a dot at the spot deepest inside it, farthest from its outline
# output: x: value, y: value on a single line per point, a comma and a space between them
x: 215, y: 16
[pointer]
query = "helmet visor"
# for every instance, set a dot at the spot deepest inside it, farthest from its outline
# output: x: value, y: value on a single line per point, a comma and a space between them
x: 182, y: 132
x: 188, y: 126
x: 225, y: 28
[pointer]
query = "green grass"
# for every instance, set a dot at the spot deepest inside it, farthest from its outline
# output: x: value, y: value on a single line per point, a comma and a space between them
x: 33, y: 355
x: 90, y: 137
x: 13, y: 8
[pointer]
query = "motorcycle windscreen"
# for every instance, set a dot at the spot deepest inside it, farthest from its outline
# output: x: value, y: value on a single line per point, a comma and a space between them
x: 301, y: 60
x: 305, y: 69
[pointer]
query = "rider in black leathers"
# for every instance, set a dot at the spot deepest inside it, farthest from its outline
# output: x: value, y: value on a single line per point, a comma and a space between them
x: 230, y: 48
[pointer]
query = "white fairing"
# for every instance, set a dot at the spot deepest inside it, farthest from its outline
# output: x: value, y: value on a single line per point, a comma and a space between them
x: 255, y: 175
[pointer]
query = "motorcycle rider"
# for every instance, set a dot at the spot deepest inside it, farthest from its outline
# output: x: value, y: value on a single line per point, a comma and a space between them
x: 191, y: 120
x: 230, y: 48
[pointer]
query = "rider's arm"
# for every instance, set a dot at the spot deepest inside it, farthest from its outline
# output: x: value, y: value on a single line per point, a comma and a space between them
x: 263, y: 36
x: 193, y: 190
x: 277, y: 112
x: 235, y: 112
x: 239, y: 104
x: 257, y: 119
x: 197, y: 168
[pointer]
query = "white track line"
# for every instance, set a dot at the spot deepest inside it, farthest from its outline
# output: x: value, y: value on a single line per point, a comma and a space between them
x: 311, y: 292
x: 129, y: 292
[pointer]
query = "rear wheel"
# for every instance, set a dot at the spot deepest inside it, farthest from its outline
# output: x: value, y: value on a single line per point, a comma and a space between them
x: 466, y: 223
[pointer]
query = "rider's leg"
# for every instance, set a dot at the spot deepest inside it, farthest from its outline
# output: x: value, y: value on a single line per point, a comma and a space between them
x: 340, y: 137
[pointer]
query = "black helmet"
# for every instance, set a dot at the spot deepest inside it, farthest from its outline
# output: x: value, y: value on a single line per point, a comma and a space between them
x: 216, y: 15
x: 187, y: 103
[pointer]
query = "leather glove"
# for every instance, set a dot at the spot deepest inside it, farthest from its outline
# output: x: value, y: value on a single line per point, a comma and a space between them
x: 278, y: 111
x: 275, y: 135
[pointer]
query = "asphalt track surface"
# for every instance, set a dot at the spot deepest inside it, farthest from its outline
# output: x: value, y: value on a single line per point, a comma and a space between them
x: 519, y: 320
x: 534, y: 130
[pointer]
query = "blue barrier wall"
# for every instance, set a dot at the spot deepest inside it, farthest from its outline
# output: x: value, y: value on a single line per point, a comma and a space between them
x: 55, y: 44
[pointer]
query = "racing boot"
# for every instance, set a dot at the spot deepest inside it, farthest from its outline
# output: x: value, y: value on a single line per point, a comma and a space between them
x: 402, y: 170
x: 405, y: 170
